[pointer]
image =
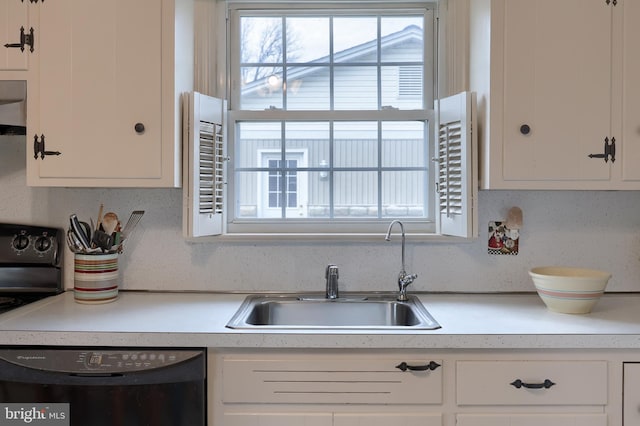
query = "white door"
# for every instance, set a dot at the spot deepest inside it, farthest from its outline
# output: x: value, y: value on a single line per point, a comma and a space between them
x: 531, y: 420
x: 557, y: 89
x: 630, y: 157
x: 14, y: 15
x: 277, y: 419
x: 631, y: 403
x: 386, y: 419
x: 100, y: 75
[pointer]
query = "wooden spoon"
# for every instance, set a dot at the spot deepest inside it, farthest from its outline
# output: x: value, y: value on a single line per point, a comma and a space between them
x: 109, y: 222
x: 514, y: 218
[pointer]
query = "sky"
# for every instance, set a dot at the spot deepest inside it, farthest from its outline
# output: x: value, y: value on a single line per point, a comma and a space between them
x: 312, y: 34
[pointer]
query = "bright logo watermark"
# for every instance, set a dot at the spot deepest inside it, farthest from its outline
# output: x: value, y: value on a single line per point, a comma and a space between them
x: 34, y: 414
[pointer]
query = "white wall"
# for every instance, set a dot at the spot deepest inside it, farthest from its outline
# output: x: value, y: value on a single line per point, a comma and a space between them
x: 592, y: 229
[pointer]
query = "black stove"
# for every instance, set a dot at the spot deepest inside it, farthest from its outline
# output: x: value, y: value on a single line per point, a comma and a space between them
x: 30, y: 264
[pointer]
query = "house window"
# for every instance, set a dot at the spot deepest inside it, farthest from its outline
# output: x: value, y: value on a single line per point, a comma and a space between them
x: 331, y: 119
x: 409, y: 81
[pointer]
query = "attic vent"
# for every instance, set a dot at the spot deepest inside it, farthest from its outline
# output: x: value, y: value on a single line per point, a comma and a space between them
x: 410, y: 81
x: 450, y: 179
x: 211, y: 168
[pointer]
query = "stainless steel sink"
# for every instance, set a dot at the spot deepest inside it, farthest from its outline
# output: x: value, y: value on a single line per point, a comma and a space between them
x: 349, y: 311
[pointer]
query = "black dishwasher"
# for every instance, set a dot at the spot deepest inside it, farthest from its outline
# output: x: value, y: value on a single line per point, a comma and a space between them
x: 105, y: 386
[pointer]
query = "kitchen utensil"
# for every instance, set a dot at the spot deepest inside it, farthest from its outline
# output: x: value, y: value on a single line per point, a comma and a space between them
x: 74, y: 243
x: 80, y: 231
x: 99, y: 220
x: 110, y: 222
x: 102, y: 240
x: 135, y: 217
x: 569, y: 290
x: 514, y: 218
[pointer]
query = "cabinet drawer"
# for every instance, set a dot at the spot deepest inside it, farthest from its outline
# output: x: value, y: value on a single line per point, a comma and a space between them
x: 560, y: 419
x: 523, y: 382
x: 334, y: 380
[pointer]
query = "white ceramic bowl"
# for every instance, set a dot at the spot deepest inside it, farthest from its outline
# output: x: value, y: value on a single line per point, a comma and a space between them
x: 569, y: 290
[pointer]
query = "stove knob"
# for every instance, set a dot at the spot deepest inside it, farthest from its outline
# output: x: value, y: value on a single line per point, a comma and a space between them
x: 42, y: 244
x: 20, y: 242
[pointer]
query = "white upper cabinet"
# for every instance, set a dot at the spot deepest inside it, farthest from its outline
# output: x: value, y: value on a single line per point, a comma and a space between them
x: 550, y: 77
x: 629, y: 87
x: 16, y: 36
x: 108, y: 93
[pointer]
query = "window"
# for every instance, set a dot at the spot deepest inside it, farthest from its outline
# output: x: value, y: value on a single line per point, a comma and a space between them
x: 331, y: 128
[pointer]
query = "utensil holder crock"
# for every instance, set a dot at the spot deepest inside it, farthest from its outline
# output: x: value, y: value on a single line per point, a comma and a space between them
x: 96, y: 278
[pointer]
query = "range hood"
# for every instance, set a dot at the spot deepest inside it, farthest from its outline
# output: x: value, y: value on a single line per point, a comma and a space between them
x: 13, y: 107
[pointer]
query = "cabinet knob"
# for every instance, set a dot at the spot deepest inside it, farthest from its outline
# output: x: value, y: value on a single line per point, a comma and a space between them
x: 139, y: 128
x: 525, y: 129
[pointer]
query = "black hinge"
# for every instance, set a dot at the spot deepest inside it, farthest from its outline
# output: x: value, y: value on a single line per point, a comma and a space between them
x: 33, y: 1
x: 25, y: 39
x: 608, y: 2
x: 609, y: 150
x: 38, y: 148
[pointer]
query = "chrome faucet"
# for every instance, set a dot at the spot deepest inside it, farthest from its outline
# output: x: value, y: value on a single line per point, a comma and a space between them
x: 404, y: 279
x: 331, y: 275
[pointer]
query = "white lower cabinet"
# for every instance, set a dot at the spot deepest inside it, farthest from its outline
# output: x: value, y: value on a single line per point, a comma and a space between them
x: 541, y: 388
x: 424, y: 388
x: 332, y: 419
x: 386, y: 419
x: 531, y: 420
x: 631, y: 392
x: 277, y: 419
x: 531, y: 383
x: 328, y: 390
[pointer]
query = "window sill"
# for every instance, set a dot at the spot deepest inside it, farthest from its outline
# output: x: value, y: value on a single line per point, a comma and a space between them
x: 327, y: 238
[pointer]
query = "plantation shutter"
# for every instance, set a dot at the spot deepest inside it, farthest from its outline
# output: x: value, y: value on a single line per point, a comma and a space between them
x: 457, y: 152
x: 203, y: 143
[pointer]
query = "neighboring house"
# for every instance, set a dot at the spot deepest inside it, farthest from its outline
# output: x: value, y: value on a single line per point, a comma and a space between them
x: 356, y: 154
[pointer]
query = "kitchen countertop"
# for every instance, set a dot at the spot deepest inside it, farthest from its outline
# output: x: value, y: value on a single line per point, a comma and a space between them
x: 469, y: 321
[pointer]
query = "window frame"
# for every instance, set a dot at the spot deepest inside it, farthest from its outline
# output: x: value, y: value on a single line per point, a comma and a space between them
x: 336, y: 227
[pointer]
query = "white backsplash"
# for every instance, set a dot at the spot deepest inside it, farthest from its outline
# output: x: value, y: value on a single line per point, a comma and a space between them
x: 598, y: 229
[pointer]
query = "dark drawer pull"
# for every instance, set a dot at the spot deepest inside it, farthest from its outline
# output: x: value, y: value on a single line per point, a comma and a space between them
x: 520, y: 384
x: 425, y: 367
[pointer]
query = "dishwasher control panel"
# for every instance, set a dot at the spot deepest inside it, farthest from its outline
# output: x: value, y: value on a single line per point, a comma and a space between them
x: 81, y: 361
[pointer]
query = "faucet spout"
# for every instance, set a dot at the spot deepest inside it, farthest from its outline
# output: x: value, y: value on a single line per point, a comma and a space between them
x: 331, y: 275
x: 404, y: 279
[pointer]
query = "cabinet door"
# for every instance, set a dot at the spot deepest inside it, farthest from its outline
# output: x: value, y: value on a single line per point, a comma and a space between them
x: 14, y: 14
x: 277, y: 419
x: 630, y: 90
x: 557, y: 89
x: 631, y: 403
x: 100, y: 75
x: 531, y: 419
x: 385, y: 419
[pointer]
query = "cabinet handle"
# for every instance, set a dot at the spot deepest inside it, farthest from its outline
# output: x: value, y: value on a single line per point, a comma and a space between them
x: 520, y: 384
x: 139, y: 128
x: 426, y: 367
x: 525, y: 129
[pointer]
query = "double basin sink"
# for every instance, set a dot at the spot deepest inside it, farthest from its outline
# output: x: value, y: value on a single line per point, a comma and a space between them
x: 350, y: 311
